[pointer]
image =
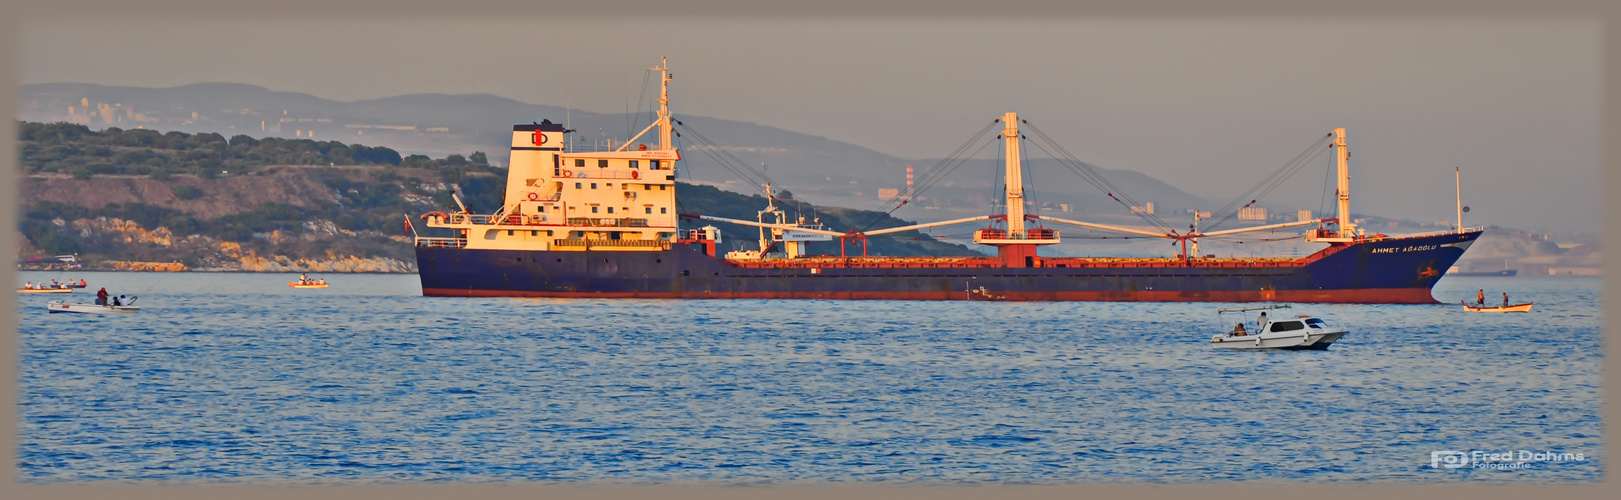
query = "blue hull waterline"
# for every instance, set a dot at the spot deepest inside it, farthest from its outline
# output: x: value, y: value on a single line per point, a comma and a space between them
x: 1392, y: 270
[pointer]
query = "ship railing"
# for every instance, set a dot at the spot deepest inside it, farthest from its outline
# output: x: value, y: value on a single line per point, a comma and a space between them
x: 468, y: 219
x: 1441, y: 233
x: 606, y: 222
x: 578, y: 243
x: 659, y: 174
x: 424, y: 241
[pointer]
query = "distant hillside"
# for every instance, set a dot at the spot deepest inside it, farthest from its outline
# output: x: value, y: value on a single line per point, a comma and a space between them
x: 260, y: 215
x: 439, y: 125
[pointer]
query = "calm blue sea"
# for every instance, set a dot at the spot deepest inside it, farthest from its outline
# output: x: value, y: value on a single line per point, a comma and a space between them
x: 238, y: 378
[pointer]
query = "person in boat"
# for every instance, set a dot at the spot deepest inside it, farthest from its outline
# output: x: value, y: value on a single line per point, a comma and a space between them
x: 1238, y: 330
x: 1480, y: 298
x: 81, y: 282
x: 117, y: 302
x: 303, y: 279
x: 54, y: 284
x: 1505, y: 299
x: 101, y: 296
x: 1260, y: 323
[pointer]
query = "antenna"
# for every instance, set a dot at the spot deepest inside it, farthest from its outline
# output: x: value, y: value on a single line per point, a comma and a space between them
x: 1457, y: 179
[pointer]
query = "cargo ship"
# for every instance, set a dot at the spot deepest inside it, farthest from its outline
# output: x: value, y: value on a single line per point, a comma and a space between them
x: 602, y: 223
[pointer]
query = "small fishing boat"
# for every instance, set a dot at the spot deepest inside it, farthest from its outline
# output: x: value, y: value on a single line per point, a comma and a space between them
x: 307, y: 284
x: 1298, y: 333
x: 76, y: 307
x: 1516, y: 308
x: 45, y: 290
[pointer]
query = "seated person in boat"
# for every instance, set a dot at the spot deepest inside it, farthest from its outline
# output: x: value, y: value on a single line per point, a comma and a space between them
x: 28, y: 286
x: 117, y: 302
x: 1238, y: 330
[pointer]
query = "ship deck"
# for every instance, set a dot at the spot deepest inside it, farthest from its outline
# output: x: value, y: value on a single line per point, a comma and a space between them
x: 993, y: 262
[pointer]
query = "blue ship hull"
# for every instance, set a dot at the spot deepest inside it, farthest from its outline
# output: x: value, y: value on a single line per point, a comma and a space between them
x: 1381, y: 271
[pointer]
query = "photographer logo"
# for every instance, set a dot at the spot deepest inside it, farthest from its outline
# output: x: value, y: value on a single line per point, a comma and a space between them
x: 1511, y: 459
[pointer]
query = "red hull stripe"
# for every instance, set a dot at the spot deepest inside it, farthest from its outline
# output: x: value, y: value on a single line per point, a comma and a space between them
x: 1364, y: 296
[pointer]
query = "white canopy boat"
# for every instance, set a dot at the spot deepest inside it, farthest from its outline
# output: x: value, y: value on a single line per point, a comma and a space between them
x: 1296, y: 333
x: 76, y: 307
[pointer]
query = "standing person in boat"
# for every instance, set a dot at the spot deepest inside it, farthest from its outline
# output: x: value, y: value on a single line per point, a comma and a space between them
x: 1505, y: 299
x: 1260, y: 323
x: 101, y: 296
x: 1480, y: 298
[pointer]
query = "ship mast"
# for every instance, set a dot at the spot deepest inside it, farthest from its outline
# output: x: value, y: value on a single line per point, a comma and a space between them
x: 1015, y: 177
x: 664, y: 102
x: 1343, y: 191
x: 1457, y: 179
x: 663, y: 121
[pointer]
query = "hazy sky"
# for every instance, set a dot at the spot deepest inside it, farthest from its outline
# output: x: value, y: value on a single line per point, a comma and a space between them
x: 1210, y: 106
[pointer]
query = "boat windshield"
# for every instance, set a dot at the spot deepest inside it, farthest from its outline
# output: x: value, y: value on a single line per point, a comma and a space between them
x: 1285, y: 326
x: 1315, y: 323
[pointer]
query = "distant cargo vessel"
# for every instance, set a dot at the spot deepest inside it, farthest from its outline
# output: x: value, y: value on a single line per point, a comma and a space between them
x: 604, y: 224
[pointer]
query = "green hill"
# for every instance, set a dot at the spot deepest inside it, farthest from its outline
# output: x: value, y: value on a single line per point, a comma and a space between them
x: 278, y: 204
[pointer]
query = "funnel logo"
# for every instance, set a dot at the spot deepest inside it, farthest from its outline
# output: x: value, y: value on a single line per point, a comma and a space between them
x: 1449, y: 459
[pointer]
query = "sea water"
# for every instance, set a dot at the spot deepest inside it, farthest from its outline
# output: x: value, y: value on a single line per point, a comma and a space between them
x: 239, y: 378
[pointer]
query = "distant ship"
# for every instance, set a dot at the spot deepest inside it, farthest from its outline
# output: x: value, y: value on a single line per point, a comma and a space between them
x: 603, y: 224
x: 1505, y: 273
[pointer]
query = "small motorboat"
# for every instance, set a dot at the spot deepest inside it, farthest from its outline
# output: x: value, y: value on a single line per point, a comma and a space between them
x: 45, y: 290
x: 77, y: 285
x: 1516, y: 308
x: 1301, y: 332
x: 75, y: 307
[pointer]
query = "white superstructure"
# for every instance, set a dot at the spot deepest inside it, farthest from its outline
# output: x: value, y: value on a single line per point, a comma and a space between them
x: 562, y: 199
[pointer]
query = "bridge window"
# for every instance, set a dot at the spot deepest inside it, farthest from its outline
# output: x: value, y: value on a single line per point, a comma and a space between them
x: 579, y: 162
x: 602, y: 163
x: 652, y: 164
x: 633, y: 164
x: 1285, y: 326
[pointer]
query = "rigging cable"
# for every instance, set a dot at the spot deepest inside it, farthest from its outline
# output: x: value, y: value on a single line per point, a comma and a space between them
x: 1272, y: 181
x: 934, y: 173
x: 1089, y: 173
